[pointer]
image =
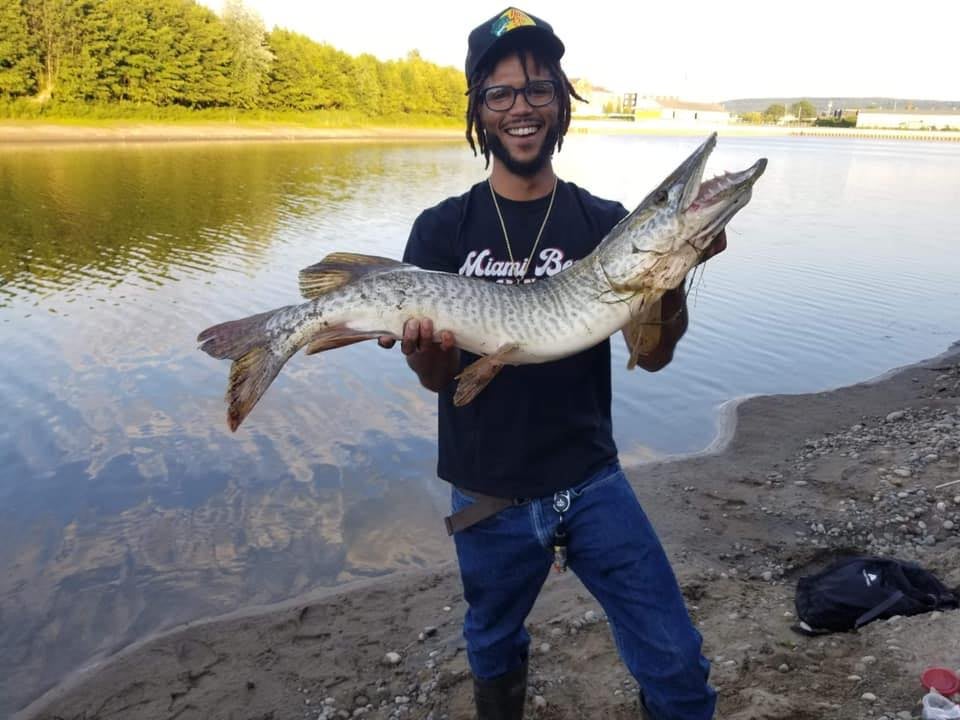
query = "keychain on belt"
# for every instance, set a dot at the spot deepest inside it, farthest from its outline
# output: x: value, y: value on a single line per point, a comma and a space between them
x: 561, y: 503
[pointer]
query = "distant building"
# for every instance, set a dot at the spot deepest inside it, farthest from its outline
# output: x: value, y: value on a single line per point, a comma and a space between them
x: 909, y: 119
x: 599, y: 100
x: 663, y: 109
x: 691, y: 112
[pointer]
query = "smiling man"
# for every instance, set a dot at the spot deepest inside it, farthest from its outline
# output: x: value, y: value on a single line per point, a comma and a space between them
x: 532, y: 461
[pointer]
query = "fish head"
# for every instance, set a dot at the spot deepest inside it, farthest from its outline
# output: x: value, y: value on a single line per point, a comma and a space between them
x: 656, y: 245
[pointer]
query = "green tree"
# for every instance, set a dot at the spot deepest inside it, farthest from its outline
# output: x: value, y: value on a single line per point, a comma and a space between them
x: 752, y: 117
x: 451, y: 89
x: 803, y: 109
x: 415, y: 85
x: 55, y: 27
x: 120, y: 55
x: 333, y: 75
x: 207, y: 81
x: 391, y: 86
x: 251, y: 58
x: 291, y: 80
x: 365, y: 79
x: 775, y: 112
x: 16, y: 54
x: 307, y: 75
x: 175, y: 52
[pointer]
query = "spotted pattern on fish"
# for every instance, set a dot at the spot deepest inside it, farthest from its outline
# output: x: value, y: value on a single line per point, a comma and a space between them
x: 648, y: 253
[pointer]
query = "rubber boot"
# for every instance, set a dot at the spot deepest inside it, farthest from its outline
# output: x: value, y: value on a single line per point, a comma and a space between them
x: 501, y: 698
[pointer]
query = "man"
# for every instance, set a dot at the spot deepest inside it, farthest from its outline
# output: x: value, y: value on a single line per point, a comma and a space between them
x: 532, y: 459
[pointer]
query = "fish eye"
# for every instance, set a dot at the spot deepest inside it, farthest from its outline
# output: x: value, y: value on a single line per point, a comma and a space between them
x: 661, y: 197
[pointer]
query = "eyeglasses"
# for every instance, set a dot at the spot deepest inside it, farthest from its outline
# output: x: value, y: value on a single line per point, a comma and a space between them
x: 501, y: 98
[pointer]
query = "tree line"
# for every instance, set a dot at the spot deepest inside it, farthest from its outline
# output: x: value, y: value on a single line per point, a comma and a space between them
x: 802, y: 110
x: 161, y: 53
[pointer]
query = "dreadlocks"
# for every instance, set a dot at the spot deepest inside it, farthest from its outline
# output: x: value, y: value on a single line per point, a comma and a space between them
x: 476, y: 135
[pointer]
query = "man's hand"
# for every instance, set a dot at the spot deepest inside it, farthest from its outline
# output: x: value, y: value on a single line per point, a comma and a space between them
x: 716, y: 246
x: 435, y: 363
x: 673, y: 314
x: 418, y: 338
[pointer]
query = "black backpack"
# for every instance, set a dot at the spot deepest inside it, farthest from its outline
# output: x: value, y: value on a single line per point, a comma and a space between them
x: 854, y: 591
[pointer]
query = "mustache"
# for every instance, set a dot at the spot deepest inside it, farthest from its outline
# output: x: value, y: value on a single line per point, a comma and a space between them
x: 525, y: 168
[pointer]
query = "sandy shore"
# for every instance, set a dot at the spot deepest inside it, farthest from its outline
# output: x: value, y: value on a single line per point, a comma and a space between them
x: 39, y: 132
x: 800, y: 479
x: 23, y: 132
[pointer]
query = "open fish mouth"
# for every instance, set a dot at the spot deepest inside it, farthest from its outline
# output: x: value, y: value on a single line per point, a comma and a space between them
x: 699, y: 195
x: 709, y: 204
x: 725, y: 186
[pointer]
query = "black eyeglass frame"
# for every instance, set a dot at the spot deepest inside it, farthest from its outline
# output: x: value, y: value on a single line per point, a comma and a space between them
x: 554, y: 85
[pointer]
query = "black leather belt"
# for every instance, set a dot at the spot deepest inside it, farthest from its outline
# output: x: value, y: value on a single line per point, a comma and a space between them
x: 482, y: 507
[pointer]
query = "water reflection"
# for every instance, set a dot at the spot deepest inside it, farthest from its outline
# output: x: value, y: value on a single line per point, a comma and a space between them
x: 125, y: 504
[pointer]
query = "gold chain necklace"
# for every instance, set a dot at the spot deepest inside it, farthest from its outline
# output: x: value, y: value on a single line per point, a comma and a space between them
x: 506, y: 237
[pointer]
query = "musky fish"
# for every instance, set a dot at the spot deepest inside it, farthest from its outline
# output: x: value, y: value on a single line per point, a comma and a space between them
x: 354, y: 297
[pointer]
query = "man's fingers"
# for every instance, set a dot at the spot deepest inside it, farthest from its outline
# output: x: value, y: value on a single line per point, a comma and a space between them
x: 446, y: 340
x: 720, y: 242
x: 717, y: 245
x: 426, y: 333
x: 385, y: 341
x: 418, y: 336
x: 411, y: 334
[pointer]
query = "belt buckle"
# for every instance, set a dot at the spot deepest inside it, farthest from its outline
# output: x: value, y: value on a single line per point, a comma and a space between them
x: 561, y: 501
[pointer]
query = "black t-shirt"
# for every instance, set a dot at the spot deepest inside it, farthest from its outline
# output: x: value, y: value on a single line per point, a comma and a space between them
x: 535, y: 429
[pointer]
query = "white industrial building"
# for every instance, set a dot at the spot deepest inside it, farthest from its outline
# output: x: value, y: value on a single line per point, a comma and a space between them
x: 658, y: 110
x: 688, y: 112
x: 909, y: 119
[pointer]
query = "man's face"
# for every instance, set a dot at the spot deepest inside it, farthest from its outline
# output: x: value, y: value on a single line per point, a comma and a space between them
x: 522, y: 138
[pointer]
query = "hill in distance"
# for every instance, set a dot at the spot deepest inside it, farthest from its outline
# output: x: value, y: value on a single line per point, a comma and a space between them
x: 842, y: 103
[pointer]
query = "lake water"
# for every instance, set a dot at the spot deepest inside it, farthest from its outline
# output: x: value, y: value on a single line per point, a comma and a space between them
x: 127, y: 506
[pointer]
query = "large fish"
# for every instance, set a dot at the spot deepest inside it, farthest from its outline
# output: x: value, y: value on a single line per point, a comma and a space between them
x: 617, y: 287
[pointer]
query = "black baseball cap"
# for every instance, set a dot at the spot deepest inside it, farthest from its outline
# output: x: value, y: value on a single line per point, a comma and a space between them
x: 511, y: 28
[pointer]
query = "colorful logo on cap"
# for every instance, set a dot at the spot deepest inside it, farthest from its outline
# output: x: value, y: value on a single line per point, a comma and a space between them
x: 510, y: 20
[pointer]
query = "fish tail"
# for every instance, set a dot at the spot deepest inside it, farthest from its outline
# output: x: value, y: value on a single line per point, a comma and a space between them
x: 250, y: 376
x: 237, y: 337
x: 255, y: 361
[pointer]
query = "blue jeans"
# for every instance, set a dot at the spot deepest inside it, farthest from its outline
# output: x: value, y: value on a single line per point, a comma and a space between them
x: 613, y: 549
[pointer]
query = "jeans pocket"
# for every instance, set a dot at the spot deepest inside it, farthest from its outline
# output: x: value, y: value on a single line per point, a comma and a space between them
x: 605, y: 477
x: 459, y: 499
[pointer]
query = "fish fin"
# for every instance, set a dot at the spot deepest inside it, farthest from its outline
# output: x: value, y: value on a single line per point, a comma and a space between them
x: 250, y: 376
x: 254, y: 367
x: 336, y: 337
x: 349, y: 258
x: 339, y: 268
x: 233, y: 339
x: 478, y: 374
x: 642, y: 333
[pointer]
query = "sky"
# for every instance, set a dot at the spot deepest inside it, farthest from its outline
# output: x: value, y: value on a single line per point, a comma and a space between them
x: 704, y: 50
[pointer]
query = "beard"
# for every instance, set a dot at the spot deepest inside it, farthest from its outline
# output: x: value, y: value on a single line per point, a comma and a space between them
x: 524, y: 168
